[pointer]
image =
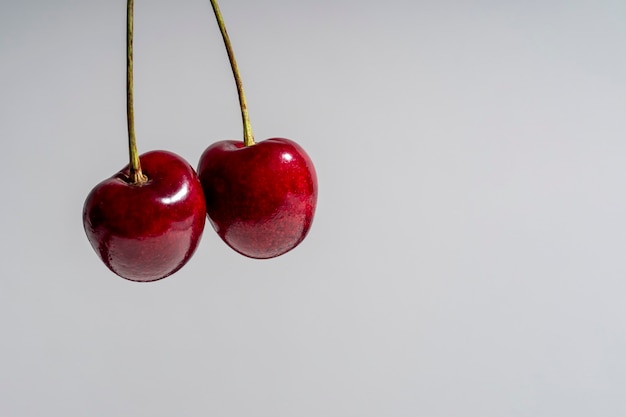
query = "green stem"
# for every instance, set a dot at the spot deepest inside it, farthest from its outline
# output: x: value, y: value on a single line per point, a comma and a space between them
x: 136, y: 176
x: 248, y: 138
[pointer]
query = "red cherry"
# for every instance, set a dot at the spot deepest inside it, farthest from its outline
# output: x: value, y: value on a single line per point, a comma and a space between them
x: 260, y: 199
x: 148, y: 231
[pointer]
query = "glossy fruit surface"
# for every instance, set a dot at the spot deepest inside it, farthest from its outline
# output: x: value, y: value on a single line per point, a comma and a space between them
x: 149, y: 231
x: 260, y: 199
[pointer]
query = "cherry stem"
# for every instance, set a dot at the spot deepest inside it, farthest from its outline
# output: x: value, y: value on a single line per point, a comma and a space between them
x: 136, y: 176
x: 248, y: 137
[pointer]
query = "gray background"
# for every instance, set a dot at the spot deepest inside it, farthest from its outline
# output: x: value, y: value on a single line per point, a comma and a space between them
x: 467, y: 257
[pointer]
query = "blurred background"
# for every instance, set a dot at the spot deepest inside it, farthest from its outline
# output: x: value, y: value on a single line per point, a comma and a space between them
x: 467, y: 256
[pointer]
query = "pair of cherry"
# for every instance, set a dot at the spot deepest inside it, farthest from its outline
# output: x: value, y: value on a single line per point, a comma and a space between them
x: 146, y: 221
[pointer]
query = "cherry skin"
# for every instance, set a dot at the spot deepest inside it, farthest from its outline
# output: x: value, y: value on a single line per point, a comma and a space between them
x: 260, y: 199
x: 149, y: 231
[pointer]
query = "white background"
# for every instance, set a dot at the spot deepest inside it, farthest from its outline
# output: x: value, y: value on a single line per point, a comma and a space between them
x: 467, y: 256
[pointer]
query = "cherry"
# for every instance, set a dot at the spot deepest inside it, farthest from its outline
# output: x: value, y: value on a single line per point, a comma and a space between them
x: 147, y: 231
x: 260, y: 197
x: 145, y: 224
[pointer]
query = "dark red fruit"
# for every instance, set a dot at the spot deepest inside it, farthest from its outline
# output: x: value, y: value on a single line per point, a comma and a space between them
x: 260, y: 199
x: 149, y: 231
